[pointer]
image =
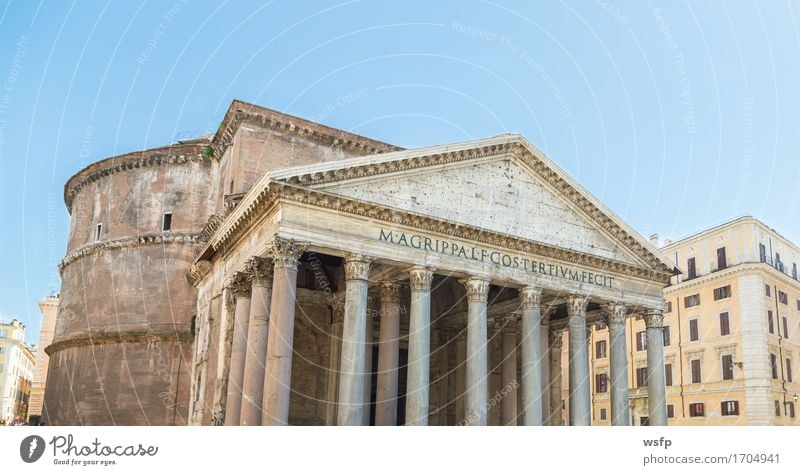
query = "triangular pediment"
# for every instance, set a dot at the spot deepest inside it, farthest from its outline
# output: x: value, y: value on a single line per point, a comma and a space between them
x: 503, y: 185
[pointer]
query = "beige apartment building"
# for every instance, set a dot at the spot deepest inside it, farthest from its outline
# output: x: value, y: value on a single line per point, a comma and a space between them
x: 49, y: 309
x: 731, y: 332
x: 16, y: 372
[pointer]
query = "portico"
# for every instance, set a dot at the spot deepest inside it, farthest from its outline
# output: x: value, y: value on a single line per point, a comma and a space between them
x: 424, y: 234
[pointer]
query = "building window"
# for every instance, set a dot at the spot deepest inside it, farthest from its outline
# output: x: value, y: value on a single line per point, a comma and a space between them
x: 722, y: 261
x: 167, y: 223
x: 691, y: 301
x: 730, y: 408
x: 641, y: 341
x: 670, y: 411
x: 724, y: 324
x: 641, y: 377
x: 603, y: 414
x: 773, y: 363
x: 727, y: 367
x: 668, y: 374
x: 785, y: 327
x: 98, y: 231
x: 783, y: 298
x: 762, y: 252
x: 600, y: 349
x: 777, y: 408
x: 696, y: 376
x: 770, y: 324
x: 768, y: 290
x: 790, y: 409
x: 599, y: 326
x: 665, y: 331
x: 788, y: 370
x: 798, y: 304
x: 669, y: 306
x: 778, y: 263
x: 722, y: 292
x: 693, y: 332
x: 691, y: 270
x: 794, y: 270
x: 697, y: 409
x: 601, y: 382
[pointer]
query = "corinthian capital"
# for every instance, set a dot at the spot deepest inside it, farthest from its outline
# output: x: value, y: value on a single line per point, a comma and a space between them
x: 530, y: 297
x: 391, y: 292
x: 286, y: 252
x: 260, y: 270
x: 420, y: 278
x: 356, y: 267
x: 616, y: 313
x: 477, y: 288
x: 654, y: 318
x: 239, y: 284
x: 576, y: 304
x: 555, y: 338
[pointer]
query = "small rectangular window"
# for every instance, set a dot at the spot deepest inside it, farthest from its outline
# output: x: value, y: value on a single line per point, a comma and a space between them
x: 788, y: 370
x: 600, y: 349
x: 762, y: 252
x: 770, y: 323
x: 693, y: 332
x: 667, y: 341
x: 722, y: 260
x: 641, y: 341
x: 730, y: 408
x: 696, y: 376
x: 773, y: 362
x: 691, y: 269
x: 724, y: 324
x: 670, y: 411
x: 668, y: 374
x: 697, y: 409
x: 641, y: 377
x: 722, y: 292
x: 790, y: 409
x: 727, y: 367
x: 98, y: 231
x: 167, y: 224
x: 777, y: 408
x: 601, y: 383
x: 785, y: 327
x: 783, y: 298
x: 691, y: 301
x: 669, y: 307
x: 768, y: 291
x: 603, y: 414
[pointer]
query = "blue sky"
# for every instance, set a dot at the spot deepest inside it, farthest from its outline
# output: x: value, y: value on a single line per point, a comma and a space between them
x: 678, y: 115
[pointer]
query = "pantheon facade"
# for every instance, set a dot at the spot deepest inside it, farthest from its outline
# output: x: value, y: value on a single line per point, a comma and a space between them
x: 305, y: 275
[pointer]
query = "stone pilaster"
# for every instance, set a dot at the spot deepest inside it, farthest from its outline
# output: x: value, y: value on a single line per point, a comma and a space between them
x: 239, y: 286
x: 419, y: 346
x: 556, y: 407
x: 261, y: 271
x: 618, y: 358
x: 277, y: 388
x: 656, y: 383
x: 477, y: 391
x: 351, y: 385
x: 579, y: 391
x: 531, y: 316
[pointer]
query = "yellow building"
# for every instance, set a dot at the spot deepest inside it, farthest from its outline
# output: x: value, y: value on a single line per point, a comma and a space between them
x: 49, y: 309
x: 16, y: 372
x: 731, y: 332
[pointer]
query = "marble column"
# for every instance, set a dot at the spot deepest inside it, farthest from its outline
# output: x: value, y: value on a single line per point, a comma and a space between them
x: 239, y: 285
x: 369, y: 336
x: 544, y: 364
x: 656, y: 383
x: 477, y: 392
x: 618, y: 359
x: 508, y: 371
x: 351, y: 384
x: 419, y: 346
x: 335, y: 358
x: 388, y: 355
x: 257, y: 334
x: 579, y: 391
x: 461, y: 376
x: 277, y: 387
x: 531, y: 316
x: 442, y: 383
x: 556, y: 338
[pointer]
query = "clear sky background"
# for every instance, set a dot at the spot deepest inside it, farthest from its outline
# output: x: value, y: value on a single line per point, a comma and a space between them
x: 678, y: 115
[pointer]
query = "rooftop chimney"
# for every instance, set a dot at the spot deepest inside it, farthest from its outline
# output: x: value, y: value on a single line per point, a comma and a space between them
x: 654, y: 240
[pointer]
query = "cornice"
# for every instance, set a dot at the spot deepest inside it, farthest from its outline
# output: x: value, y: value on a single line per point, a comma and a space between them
x: 513, y: 147
x: 728, y: 272
x: 240, y: 112
x: 173, y: 154
x: 103, y: 337
x: 239, y: 221
x: 144, y: 240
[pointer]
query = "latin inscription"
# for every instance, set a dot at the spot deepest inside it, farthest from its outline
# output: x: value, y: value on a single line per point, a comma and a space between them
x: 498, y: 258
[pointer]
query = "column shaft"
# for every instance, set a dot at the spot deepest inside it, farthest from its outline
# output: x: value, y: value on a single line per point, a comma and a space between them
x: 257, y: 334
x: 351, y: 384
x: 531, y: 316
x: 656, y: 384
x: 579, y: 394
x: 544, y: 363
x: 419, y: 346
x: 556, y: 405
x: 277, y: 387
x: 335, y: 359
x: 508, y: 373
x: 618, y: 355
x: 240, y: 287
x: 477, y: 352
x: 368, y: 339
x: 388, y: 356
